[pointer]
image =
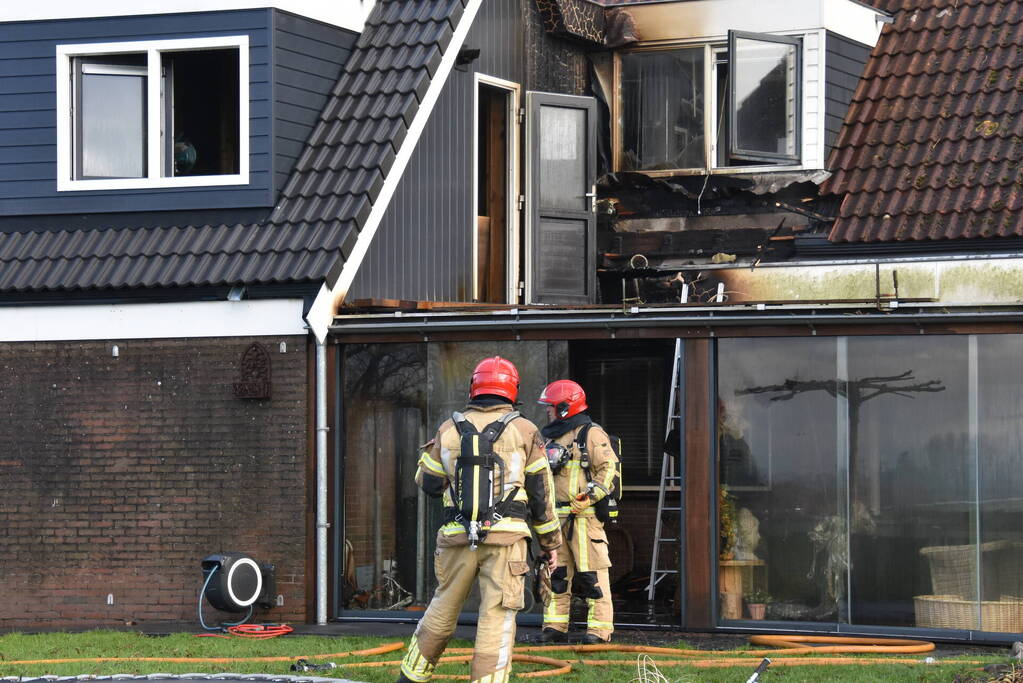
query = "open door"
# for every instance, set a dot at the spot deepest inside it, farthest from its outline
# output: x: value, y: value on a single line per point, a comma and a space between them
x: 561, y: 199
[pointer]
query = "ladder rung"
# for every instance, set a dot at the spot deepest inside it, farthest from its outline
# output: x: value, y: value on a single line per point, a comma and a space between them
x: 671, y: 509
x: 667, y: 540
x: 666, y: 571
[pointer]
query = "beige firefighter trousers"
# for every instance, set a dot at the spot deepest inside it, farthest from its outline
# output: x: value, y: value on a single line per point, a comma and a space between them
x: 586, y: 551
x: 501, y: 570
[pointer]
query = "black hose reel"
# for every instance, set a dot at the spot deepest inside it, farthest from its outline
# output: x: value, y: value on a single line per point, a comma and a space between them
x: 234, y: 582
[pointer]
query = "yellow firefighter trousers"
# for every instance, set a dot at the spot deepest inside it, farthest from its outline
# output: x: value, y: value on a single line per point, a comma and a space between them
x: 586, y: 551
x: 501, y: 570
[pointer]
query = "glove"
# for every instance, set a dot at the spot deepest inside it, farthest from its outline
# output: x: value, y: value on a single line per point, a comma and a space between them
x: 580, y: 503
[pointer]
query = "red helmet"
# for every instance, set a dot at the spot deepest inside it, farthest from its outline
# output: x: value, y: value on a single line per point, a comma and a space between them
x: 496, y: 376
x: 567, y: 398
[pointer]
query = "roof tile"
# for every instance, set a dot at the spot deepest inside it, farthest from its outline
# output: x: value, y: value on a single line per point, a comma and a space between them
x: 932, y: 145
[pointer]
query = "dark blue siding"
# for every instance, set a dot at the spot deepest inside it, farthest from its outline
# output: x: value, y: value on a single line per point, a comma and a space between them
x: 308, y: 60
x: 843, y: 62
x: 423, y: 247
x: 28, y: 152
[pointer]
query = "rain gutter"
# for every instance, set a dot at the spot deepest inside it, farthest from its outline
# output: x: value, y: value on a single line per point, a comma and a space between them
x: 516, y: 320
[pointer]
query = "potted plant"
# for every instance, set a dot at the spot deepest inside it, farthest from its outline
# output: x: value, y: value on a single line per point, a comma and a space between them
x: 726, y: 523
x: 756, y: 603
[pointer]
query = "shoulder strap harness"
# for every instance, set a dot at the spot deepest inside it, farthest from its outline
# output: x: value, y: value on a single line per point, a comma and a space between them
x: 475, y: 506
x: 607, y: 507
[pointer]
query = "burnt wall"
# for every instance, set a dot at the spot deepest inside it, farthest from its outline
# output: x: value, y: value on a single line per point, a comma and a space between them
x: 121, y: 473
x: 553, y: 64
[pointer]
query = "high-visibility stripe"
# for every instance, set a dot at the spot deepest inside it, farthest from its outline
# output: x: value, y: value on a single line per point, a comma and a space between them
x: 582, y: 557
x: 415, y: 666
x: 549, y: 480
x: 512, y: 524
x: 432, y: 465
x: 551, y: 614
x: 475, y: 479
x: 504, y: 652
x: 573, y: 478
x: 602, y: 625
x: 565, y: 510
x: 537, y: 466
x: 547, y: 527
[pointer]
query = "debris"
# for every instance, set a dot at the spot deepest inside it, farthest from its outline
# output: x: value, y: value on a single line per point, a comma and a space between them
x: 303, y: 665
x: 721, y: 257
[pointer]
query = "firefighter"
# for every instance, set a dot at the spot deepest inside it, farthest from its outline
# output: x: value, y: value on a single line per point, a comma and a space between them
x: 583, y: 474
x: 489, y: 466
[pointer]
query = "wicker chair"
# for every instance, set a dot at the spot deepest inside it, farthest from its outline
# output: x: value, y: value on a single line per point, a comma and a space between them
x: 954, y: 604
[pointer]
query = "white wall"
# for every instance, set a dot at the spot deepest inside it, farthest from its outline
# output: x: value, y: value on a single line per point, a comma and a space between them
x: 152, y: 321
x: 350, y: 14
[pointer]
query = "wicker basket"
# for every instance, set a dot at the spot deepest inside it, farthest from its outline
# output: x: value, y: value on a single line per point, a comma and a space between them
x: 951, y: 611
x: 954, y: 569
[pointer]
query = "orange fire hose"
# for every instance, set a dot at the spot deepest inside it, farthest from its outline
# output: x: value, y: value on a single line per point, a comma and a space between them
x: 382, y: 649
x: 560, y: 666
x: 785, y: 646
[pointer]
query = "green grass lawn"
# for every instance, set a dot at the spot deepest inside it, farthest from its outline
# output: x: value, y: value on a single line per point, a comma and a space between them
x: 14, y: 647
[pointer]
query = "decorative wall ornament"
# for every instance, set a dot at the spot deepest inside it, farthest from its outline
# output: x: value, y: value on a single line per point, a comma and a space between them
x: 254, y: 373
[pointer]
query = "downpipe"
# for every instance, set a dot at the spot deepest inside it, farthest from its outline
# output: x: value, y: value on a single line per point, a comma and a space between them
x: 321, y: 483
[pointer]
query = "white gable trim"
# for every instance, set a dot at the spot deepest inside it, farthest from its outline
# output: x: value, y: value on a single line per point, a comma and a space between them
x: 322, y: 312
x: 271, y: 317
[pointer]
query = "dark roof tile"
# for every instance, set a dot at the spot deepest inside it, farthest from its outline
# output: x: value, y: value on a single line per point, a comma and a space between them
x: 323, y: 206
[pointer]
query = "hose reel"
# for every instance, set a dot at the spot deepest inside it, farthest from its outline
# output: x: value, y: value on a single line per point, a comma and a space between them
x: 234, y: 582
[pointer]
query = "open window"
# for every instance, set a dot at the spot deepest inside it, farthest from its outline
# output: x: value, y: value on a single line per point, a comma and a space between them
x: 707, y: 106
x: 763, y: 98
x: 154, y: 114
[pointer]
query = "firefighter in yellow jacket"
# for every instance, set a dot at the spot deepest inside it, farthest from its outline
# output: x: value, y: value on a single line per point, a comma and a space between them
x: 584, y: 473
x: 489, y: 466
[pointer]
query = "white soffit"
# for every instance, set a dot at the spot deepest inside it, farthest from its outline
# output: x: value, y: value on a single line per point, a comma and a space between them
x: 272, y: 317
x: 712, y: 19
x: 349, y: 14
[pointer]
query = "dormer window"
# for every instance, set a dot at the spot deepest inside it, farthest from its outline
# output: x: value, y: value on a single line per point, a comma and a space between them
x: 700, y: 107
x: 153, y: 114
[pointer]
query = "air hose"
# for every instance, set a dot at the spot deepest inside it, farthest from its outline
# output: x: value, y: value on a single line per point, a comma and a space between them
x: 202, y: 594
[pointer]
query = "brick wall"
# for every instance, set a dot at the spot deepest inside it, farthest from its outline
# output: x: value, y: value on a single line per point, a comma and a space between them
x: 119, y: 474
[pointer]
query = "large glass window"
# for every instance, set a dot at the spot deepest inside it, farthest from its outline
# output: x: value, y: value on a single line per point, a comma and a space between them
x: 872, y: 480
x: 662, y: 94
x: 779, y: 497
x: 395, y: 396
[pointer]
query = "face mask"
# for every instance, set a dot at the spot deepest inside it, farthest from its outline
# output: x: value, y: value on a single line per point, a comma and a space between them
x: 557, y: 456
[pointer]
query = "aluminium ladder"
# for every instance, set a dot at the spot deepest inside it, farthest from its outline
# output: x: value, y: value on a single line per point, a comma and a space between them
x: 670, y: 477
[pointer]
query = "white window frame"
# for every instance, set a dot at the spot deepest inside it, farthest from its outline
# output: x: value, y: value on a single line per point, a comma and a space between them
x: 154, y: 114
x: 809, y: 86
x: 514, y: 96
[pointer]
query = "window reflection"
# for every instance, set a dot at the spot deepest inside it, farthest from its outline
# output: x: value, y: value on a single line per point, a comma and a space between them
x: 394, y: 397
x: 893, y: 479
